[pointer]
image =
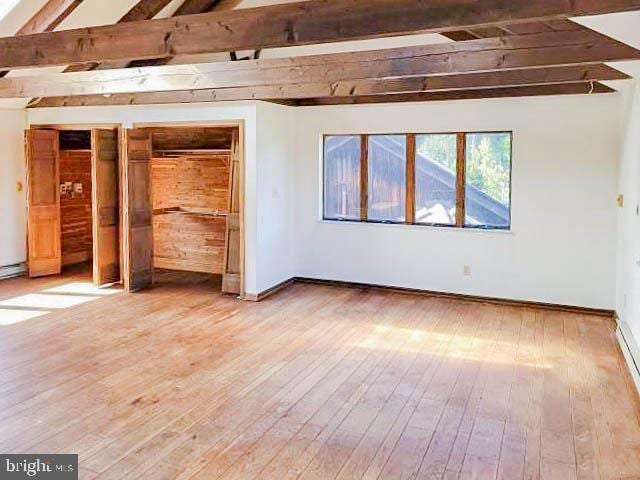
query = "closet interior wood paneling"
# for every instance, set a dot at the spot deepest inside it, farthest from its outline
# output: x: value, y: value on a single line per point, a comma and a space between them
x: 190, y: 189
x: 76, y: 200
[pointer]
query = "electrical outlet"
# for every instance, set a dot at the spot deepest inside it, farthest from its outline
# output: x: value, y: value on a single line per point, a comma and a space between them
x: 467, y: 270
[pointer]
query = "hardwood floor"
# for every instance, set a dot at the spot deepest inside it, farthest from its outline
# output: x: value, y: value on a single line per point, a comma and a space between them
x: 315, y: 382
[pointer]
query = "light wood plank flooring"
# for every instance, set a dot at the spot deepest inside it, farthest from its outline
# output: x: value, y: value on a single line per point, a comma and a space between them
x: 315, y: 382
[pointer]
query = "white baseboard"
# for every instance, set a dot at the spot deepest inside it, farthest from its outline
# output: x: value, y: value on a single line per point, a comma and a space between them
x: 16, y: 270
x: 630, y: 350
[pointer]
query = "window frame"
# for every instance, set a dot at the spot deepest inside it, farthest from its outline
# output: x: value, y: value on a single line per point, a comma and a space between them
x: 410, y: 180
x: 324, y: 173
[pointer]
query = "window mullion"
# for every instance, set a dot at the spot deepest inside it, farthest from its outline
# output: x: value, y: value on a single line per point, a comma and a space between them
x: 460, y: 179
x: 364, y: 177
x: 410, y: 215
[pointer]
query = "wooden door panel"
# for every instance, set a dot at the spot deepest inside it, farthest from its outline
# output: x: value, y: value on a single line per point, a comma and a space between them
x: 232, y: 271
x: 138, y: 227
x: 106, y: 207
x: 43, y: 203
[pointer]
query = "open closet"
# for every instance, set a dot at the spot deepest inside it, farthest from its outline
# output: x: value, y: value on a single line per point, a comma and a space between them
x: 182, y: 197
x: 160, y: 197
x: 73, y: 201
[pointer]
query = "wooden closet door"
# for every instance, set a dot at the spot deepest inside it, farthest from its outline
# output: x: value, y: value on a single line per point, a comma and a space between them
x: 106, y: 206
x: 43, y: 202
x: 138, y: 211
x: 232, y: 272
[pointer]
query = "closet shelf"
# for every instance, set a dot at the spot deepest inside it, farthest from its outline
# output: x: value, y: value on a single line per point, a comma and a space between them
x: 188, y: 153
x: 196, y: 212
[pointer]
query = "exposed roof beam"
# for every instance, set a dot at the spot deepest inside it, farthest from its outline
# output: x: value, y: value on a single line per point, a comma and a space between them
x: 315, y: 21
x: 191, y: 7
x: 188, y: 7
x: 494, y: 54
x: 517, y: 29
x: 52, y: 14
x: 531, y: 91
x: 143, y: 10
x: 483, y: 80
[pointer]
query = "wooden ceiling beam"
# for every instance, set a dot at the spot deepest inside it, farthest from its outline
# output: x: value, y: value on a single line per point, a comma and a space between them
x: 312, y: 22
x: 482, y: 80
x: 143, y: 10
x: 192, y: 7
x: 188, y: 7
x: 529, y: 91
x: 519, y: 29
x: 52, y: 14
x: 493, y: 54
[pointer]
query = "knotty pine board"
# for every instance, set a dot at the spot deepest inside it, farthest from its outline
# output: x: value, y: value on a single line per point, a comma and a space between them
x: 191, y: 243
x: 188, y: 242
x: 196, y: 182
x: 75, y: 213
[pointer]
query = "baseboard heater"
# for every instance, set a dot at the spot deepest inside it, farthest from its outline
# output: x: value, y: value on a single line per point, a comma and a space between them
x: 630, y: 350
x: 9, y: 271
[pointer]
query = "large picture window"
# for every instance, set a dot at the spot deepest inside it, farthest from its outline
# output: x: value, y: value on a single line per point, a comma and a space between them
x: 443, y: 179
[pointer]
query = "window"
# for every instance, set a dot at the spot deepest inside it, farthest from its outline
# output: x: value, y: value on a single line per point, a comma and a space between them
x: 445, y: 179
x: 387, y: 178
x: 436, y: 192
x: 342, y: 177
x: 487, y: 180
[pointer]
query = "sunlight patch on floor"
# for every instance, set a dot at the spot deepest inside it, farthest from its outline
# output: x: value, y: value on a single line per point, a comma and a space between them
x: 82, y: 288
x: 34, y: 305
x: 10, y: 316
x: 466, y: 348
x: 43, y: 300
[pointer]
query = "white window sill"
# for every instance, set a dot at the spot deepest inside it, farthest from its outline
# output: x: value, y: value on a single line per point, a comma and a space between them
x: 455, y: 230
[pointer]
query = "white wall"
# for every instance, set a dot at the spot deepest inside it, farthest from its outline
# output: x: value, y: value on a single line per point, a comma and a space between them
x: 562, y: 245
x: 13, y: 212
x: 628, y: 275
x: 561, y: 249
x: 275, y: 201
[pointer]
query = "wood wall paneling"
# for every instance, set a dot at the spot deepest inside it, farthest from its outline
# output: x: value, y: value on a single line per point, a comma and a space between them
x: 190, y: 197
x: 43, y: 203
x: 76, y: 207
x: 192, y: 138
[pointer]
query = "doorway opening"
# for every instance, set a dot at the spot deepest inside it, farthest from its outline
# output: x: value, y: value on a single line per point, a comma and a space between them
x: 73, y: 201
x: 182, y: 206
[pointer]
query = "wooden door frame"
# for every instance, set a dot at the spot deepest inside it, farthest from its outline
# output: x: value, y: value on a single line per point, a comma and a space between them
x: 240, y: 125
x: 89, y: 127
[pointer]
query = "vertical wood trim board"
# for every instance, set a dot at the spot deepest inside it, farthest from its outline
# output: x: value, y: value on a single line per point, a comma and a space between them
x: 232, y: 262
